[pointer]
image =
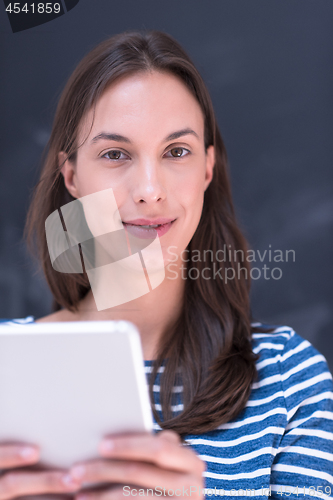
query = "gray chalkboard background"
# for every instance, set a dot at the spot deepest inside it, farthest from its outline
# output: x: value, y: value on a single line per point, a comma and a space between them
x: 269, y: 68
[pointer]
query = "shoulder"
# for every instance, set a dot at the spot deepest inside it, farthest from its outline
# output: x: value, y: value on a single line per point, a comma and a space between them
x: 291, y: 364
x: 284, y: 345
x: 280, y: 340
x: 17, y: 321
x: 62, y: 315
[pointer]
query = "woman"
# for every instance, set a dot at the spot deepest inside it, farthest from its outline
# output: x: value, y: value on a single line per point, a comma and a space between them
x: 254, y: 404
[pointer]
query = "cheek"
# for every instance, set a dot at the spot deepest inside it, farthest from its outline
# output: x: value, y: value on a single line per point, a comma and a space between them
x: 191, y: 194
x: 84, y: 181
x: 89, y: 181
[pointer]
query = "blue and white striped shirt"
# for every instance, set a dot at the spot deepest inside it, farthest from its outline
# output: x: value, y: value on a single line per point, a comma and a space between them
x: 281, y: 444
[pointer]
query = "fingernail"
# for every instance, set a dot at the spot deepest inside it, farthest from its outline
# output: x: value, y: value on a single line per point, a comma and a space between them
x: 69, y: 481
x: 78, y: 471
x: 82, y: 497
x: 27, y: 452
x: 107, y: 446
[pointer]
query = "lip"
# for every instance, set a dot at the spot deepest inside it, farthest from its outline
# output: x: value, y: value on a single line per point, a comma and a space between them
x: 141, y: 232
x: 148, y: 222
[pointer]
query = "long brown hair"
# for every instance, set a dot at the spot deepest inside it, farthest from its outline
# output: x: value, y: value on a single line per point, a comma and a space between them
x: 209, y: 347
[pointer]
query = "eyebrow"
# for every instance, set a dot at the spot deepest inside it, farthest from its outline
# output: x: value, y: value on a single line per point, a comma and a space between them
x: 106, y: 136
x: 180, y: 133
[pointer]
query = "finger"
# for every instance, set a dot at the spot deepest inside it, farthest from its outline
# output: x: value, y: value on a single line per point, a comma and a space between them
x: 170, y: 435
x: 14, y: 484
x: 159, y: 449
x: 16, y: 455
x: 130, y: 472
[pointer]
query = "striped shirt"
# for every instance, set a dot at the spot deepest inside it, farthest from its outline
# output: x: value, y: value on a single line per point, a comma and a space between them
x: 281, y: 444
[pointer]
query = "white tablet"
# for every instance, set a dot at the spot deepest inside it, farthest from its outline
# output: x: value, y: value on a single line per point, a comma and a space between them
x: 63, y: 386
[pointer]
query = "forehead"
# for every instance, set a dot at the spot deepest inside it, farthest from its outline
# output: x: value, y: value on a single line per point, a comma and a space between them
x: 152, y: 103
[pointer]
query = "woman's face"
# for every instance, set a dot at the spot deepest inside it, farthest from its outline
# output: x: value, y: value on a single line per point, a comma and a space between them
x: 147, y: 144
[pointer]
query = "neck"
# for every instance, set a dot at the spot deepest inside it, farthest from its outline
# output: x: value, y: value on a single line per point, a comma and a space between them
x: 153, y: 314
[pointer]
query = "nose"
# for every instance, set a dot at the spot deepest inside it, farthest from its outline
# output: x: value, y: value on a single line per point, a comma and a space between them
x: 149, y: 183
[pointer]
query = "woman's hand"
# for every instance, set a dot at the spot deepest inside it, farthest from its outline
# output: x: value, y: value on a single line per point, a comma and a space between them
x: 147, y: 461
x: 24, y: 482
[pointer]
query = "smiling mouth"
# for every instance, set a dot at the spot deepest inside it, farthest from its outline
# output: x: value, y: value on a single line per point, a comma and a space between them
x: 148, y: 231
x: 150, y: 226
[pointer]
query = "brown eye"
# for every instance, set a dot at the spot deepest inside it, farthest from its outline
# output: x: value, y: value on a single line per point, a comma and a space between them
x: 113, y: 155
x: 176, y: 152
